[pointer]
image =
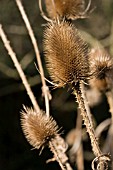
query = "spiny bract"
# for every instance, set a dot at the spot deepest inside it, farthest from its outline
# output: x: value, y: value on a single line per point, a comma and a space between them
x: 70, y: 9
x: 37, y: 127
x: 66, y: 53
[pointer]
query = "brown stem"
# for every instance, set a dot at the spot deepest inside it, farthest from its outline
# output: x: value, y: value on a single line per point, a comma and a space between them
x: 79, y: 154
x: 109, y: 96
x: 76, y: 151
x: 51, y: 145
x: 45, y: 88
x: 19, y: 69
x: 108, y: 146
x: 82, y: 102
x: 81, y: 99
x: 80, y: 159
x: 59, y: 147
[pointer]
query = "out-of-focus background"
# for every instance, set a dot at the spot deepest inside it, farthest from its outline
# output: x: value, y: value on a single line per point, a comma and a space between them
x: 15, y: 151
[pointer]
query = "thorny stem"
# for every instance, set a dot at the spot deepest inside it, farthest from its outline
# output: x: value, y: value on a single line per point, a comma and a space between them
x: 87, y: 119
x: 81, y: 99
x: 19, y: 69
x: 45, y: 88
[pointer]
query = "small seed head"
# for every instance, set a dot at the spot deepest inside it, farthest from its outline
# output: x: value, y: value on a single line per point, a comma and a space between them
x: 71, y: 9
x: 66, y: 53
x: 38, y: 128
x: 101, y: 66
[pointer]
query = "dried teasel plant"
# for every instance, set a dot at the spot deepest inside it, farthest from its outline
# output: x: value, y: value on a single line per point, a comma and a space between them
x: 35, y: 139
x: 38, y: 128
x: 101, y: 66
x: 70, y: 9
x: 42, y: 131
x: 67, y: 58
x: 66, y: 53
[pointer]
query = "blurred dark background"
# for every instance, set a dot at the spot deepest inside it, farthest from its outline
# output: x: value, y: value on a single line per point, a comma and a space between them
x: 15, y: 151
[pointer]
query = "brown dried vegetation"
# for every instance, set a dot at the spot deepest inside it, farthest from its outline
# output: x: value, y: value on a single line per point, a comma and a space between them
x: 38, y: 128
x: 71, y: 9
x: 66, y: 53
x: 101, y: 66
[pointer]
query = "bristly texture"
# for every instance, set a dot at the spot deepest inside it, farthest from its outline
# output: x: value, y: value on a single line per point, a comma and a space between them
x: 71, y: 9
x: 38, y: 128
x: 66, y: 53
x: 101, y: 66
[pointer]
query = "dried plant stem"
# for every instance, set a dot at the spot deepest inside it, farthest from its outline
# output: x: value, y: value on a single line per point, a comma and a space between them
x: 80, y: 159
x: 109, y: 96
x: 42, y: 13
x: 79, y: 154
x: 59, y: 147
x: 56, y: 155
x: 102, y: 126
x: 81, y: 99
x: 68, y: 167
x: 108, y: 143
x: 45, y: 88
x: 82, y: 102
x: 19, y: 69
x: 76, y: 151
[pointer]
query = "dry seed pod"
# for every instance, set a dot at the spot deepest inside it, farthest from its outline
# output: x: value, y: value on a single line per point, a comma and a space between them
x: 71, y: 9
x: 38, y: 128
x: 66, y: 53
x: 101, y: 66
x: 67, y: 61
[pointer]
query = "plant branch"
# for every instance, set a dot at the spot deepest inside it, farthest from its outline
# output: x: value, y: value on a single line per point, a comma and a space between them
x: 81, y: 99
x: 19, y: 69
x: 82, y: 102
x: 59, y: 147
x: 45, y: 88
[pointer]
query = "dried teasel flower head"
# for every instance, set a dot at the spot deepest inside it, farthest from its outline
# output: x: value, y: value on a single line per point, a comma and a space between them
x: 66, y: 53
x: 38, y: 128
x: 101, y: 66
x: 71, y: 9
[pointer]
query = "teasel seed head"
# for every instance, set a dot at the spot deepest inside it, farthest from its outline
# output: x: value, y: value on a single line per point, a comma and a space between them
x: 38, y: 128
x: 71, y: 9
x: 66, y: 53
x: 101, y: 66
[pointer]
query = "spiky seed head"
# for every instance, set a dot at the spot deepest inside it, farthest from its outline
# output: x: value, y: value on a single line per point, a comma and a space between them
x: 101, y: 66
x: 71, y: 9
x: 66, y: 53
x: 38, y: 128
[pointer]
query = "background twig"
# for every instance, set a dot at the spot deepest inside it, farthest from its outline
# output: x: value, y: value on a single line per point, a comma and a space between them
x: 19, y: 69
x: 45, y: 88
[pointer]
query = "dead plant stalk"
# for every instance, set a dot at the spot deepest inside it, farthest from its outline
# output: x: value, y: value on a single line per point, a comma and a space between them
x: 45, y: 89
